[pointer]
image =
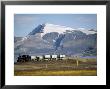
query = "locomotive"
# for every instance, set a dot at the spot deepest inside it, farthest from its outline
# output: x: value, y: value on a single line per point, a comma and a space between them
x: 24, y: 58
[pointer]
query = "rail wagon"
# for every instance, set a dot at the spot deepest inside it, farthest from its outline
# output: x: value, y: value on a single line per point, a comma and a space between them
x: 54, y: 57
x: 39, y: 58
x: 47, y: 57
x: 33, y: 58
x: 62, y: 57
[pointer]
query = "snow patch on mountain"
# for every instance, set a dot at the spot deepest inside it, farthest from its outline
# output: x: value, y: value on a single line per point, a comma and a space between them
x: 48, y: 28
x: 55, y: 28
x: 87, y: 32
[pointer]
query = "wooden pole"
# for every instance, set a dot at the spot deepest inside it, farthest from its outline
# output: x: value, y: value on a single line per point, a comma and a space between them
x: 46, y: 65
x: 77, y: 62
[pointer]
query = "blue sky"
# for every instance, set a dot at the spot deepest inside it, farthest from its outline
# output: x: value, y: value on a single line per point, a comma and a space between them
x: 25, y: 23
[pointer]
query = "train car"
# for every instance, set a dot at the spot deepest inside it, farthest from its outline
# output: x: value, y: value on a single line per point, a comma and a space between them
x: 40, y: 58
x: 54, y: 57
x: 47, y: 57
x: 62, y: 57
x: 37, y: 58
x: 33, y: 58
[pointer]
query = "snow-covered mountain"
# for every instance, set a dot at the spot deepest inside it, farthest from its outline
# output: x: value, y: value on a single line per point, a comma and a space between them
x: 48, y: 28
x: 49, y: 38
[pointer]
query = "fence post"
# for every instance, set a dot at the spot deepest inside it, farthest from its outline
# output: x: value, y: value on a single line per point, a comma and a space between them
x: 77, y: 62
x: 46, y: 65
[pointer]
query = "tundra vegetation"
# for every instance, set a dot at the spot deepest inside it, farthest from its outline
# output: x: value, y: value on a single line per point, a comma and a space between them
x: 67, y: 67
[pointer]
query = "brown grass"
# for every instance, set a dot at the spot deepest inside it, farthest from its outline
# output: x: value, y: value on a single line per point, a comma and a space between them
x: 57, y: 73
x: 57, y: 68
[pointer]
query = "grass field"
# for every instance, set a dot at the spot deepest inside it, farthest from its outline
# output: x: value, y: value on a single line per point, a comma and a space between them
x: 57, y: 68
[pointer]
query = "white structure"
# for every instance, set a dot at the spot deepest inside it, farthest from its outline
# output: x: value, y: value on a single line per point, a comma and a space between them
x: 40, y: 57
x: 62, y: 56
x: 47, y: 57
x: 33, y: 57
x: 54, y: 57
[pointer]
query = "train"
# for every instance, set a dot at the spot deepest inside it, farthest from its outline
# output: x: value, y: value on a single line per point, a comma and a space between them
x: 26, y: 58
